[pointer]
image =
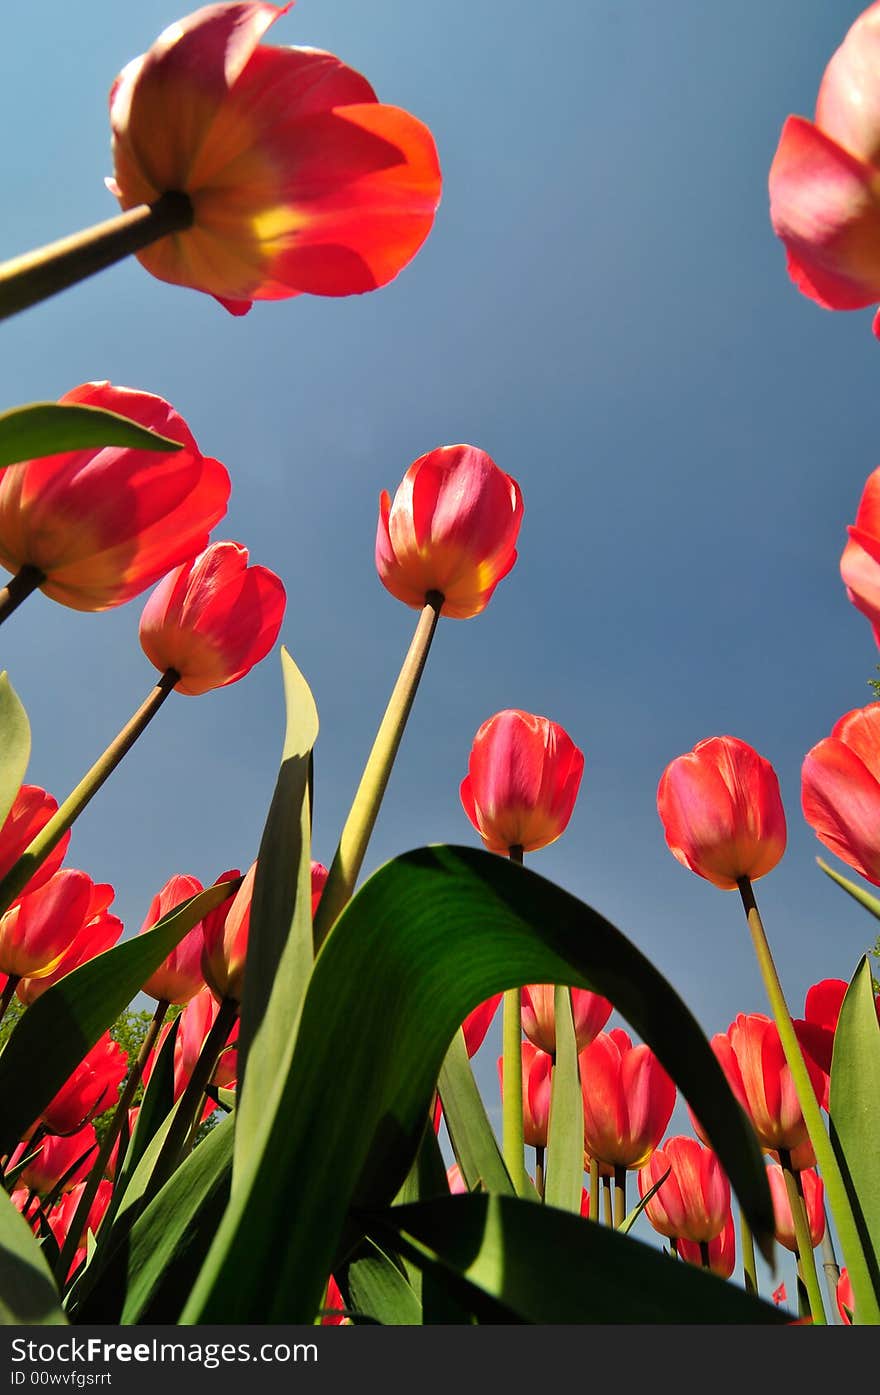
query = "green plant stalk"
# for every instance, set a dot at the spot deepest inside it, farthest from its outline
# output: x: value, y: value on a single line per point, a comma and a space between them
x: 826, y: 1158
x: 594, y: 1189
x: 539, y: 1172
x: 832, y: 1270
x: 361, y: 819
x: 120, y: 1114
x: 26, y: 580
x: 607, y: 1206
x: 512, y: 1142
x: 747, y: 1245
x: 619, y: 1196
x: 35, y: 276
x: 51, y: 834
x: 806, y: 1257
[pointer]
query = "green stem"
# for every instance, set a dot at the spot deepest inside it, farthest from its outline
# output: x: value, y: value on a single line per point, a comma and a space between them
x: 6, y: 996
x: 804, y: 1239
x: 190, y: 1104
x: 35, y: 276
x: 747, y: 1244
x: 512, y: 1144
x: 608, y: 1213
x: 26, y: 580
x: 826, y: 1158
x: 832, y: 1271
x: 51, y: 834
x: 539, y: 1171
x: 84, y: 1205
x: 594, y: 1189
x: 355, y: 835
x: 619, y: 1196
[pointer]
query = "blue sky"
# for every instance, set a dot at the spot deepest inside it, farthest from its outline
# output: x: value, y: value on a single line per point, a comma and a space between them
x: 603, y: 307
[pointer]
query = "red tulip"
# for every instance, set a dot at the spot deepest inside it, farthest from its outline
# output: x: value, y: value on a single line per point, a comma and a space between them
x: 840, y: 790
x: 721, y: 811
x: 861, y: 575
x: 102, y: 525
x: 195, y: 1023
x: 538, y: 1014
x: 299, y: 179
x: 225, y: 940
x: 56, y: 1158
x: 815, y: 1030
x: 61, y: 1218
x: 722, y: 1251
x: 92, y: 1088
x: 335, y: 1305
x: 694, y: 1201
x: 846, y: 1304
x: 124, y: 1135
x: 212, y: 619
x: 628, y: 1100
x: 751, y: 1056
x: 523, y: 777
x: 824, y: 180
x: 179, y: 976
x: 477, y: 1023
x: 319, y: 880
x: 36, y: 932
x: 99, y: 931
x: 536, y: 1083
x: 31, y: 810
x: 814, y: 1198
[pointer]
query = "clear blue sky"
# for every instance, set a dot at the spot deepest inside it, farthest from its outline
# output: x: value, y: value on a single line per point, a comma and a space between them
x: 603, y: 307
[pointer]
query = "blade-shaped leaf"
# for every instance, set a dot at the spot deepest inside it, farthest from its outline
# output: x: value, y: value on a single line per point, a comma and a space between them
x: 27, y: 1289
x: 46, y: 428
x: 632, y: 1216
x: 565, y: 1136
x: 157, y: 1100
x: 280, y: 952
x: 427, y: 938
x: 473, y: 1141
x: 377, y: 1289
x: 497, y: 1245
x: 52, y: 1037
x: 858, y: 893
x: 15, y: 745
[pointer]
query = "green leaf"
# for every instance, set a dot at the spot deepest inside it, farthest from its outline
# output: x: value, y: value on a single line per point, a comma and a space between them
x: 473, y: 1141
x: 27, y: 1289
x: 565, y: 1135
x: 858, y: 893
x: 546, y: 1266
x: 46, y: 428
x: 629, y: 1221
x: 157, y: 1101
x: 54, y: 1035
x: 16, y: 747
x: 377, y: 1289
x: 426, y: 939
x: 855, y: 1115
x: 280, y: 952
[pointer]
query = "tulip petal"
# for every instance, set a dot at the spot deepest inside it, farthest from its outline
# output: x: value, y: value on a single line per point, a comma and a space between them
x: 848, y: 105
x: 841, y: 803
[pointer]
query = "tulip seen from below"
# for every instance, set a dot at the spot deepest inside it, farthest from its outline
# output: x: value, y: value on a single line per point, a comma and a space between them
x: 89, y: 1090
x: 721, y: 1251
x: 813, y: 1195
x: 98, y: 932
x: 590, y: 1012
x: 840, y: 790
x: 31, y: 810
x: 693, y: 1203
x: 179, y: 977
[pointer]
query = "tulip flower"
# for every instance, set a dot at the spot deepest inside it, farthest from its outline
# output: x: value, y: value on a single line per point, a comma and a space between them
x: 628, y: 1100
x: 225, y: 941
x: 62, y: 1215
x: 179, y: 976
x: 694, y: 1201
x: 96, y: 527
x: 536, y: 1084
x: 31, y: 810
x: 195, y: 1023
x: 212, y: 619
x: 840, y: 790
x: 814, y: 1200
x: 295, y: 178
x: 36, y: 932
x: 722, y: 812
x: 451, y: 530
x: 68, y: 1158
x: 861, y: 575
x: 589, y: 1010
x: 722, y: 1251
x: 846, y: 1303
x: 752, y: 1058
x: 477, y: 1023
x: 825, y: 176
x: 98, y: 932
x: 90, y: 1090
x: 334, y: 1304
x: 819, y: 1023
x: 523, y: 777
x: 319, y: 881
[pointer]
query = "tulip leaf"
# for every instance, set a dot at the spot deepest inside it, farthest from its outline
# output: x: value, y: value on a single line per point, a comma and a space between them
x: 157, y: 1100
x: 377, y: 1289
x: 855, y: 1112
x: 47, y: 428
x: 426, y: 939
x: 470, y: 1133
x: 543, y: 1265
x: 858, y: 893
x: 57, y: 1031
x: 565, y: 1132
x: 27, y: 1290
x: 16, y: 738
x: 630, y: 1219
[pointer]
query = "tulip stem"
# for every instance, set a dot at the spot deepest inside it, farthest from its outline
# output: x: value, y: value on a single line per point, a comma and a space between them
x: 358, y: 827
x: 594, y: 1189
x: 19, y: 588
x: 747, y: 1244
x: 190, y: 1105
x: 803, y: 1238
x: 51, y: 834
x: 37, y: 275
x: 832, y: 1271
x: 826, y: 1158
x: 539, y: 1171
x: 619, y: 1196
x: 608, y: 1213
x: 6, y: 996
x: 90, y: 1190
x: 512, y: 1145
x: 704, y: 1254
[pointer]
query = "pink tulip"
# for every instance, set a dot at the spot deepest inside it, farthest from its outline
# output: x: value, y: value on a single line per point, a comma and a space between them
x: 590, y: 1013
x: 694, y: 1201
x: 628, y: 1100
x: 536, y: 1083
x: 31, y: 810
x: 840, y: 790
x: 721, y: 811
x: 814, y: 1198
x: 524, y: 773
x: 179, y: 976
x: 37, y: 931
x: 816, y: 1029
x: 320, y: 873
x: 195, y: 1023
x: 225, y: 941
x: 478, y: 1022
x: 92, y: 1088
x: 722, y: 1251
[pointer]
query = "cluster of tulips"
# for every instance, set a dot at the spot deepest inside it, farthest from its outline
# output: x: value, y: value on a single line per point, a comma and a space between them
x: 257, y: 173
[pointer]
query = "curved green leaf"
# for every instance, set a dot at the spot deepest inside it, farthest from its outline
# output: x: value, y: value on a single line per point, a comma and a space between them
x: 426, y: 939
x: 46, y: 428
x: 377, y: 1289
x: 505, y: 1249
x: 632, y: 1216
x: 470, y: 1133
x: 565, y: 1135
x: 858, y: 893
x: 15, y: 745
x: 27, y: 1289
x: 53, y: 1036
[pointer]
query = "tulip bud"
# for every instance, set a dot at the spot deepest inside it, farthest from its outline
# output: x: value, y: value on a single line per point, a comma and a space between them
x: 523, y: 777
x: 628, y: 1100
x: 538, y: 1014
x: 452, y: 530
x: 722, y: 812
x: 814, y: 1200
x: 694, y: 1201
